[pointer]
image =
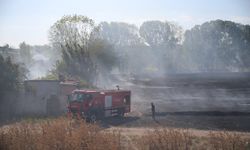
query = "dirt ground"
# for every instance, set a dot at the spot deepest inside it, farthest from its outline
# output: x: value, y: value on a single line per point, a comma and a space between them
x: 199, y: 101
x: 137, y: 131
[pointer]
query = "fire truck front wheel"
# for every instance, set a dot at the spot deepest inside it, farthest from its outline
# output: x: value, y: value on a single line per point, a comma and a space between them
x: 121, y: 112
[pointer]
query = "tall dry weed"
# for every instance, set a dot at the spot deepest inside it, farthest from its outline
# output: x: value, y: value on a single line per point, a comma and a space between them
x: 228, y: 141
x: 64, y: 134
x: 166, y: 139
x: 179, y: 139
x: 57, y: 134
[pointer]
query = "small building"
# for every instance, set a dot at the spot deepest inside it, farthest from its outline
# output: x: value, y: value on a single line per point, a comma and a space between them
x: 66, y: 88
x: 41, y: 88
x: 44, y: 97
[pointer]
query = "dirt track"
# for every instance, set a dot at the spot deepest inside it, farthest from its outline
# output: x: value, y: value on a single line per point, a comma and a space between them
x: 143, y: 131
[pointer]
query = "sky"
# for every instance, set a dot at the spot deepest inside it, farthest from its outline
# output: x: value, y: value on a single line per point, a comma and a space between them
x: 30, y: 20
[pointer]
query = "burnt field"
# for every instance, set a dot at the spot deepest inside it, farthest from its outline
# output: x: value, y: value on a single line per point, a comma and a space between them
x: 204, y: 101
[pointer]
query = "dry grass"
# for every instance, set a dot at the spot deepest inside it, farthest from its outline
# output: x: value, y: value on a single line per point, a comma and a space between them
x: 228, y: 141
x: 179, y: 139
x: 57, y: 134
x: 164, y: 139
x: 65, y: 134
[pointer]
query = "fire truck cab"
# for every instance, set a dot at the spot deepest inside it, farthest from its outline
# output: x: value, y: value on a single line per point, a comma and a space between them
x: 94, y: 104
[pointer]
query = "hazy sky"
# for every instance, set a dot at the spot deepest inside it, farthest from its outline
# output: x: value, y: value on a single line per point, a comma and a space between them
x: 30, y: 20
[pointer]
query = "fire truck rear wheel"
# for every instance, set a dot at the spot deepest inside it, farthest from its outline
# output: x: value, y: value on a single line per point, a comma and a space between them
x: 121, y: 113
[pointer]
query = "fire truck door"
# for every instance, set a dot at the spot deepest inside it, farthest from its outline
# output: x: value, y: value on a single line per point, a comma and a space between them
x: 108, y: 105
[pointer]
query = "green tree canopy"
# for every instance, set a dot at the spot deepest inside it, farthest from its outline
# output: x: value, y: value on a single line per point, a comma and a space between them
x: 120, y: 34
x: 219, y: 46
x: 10, y: 75
x: 25, y: 53
x: 84, y: 54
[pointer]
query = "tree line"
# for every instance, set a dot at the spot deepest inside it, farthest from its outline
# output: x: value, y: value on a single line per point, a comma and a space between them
x: 155, y: 47
x: 214, y: 46
x: 82, y: 49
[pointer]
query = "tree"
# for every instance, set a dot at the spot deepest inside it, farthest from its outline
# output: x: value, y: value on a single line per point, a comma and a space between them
x: 120, y: 34
x: 165, y: 39
x: 218, y: 46
x: 25, y: 53
x: 126, y: 41
x: 83, y: 52
x: 102, y: 53
x: 157, y: 33
x: 10, y: 75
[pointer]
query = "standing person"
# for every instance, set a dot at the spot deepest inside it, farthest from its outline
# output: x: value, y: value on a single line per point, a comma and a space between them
x: 153, y: 110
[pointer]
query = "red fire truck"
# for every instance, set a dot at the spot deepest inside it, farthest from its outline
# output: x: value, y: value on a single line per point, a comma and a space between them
x: 96, y: 104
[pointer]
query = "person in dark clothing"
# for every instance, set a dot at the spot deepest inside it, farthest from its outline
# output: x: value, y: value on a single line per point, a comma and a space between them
x: 153, y: 110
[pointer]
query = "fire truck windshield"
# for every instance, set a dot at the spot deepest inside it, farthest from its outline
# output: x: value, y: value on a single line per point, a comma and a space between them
x: 80, y: 97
